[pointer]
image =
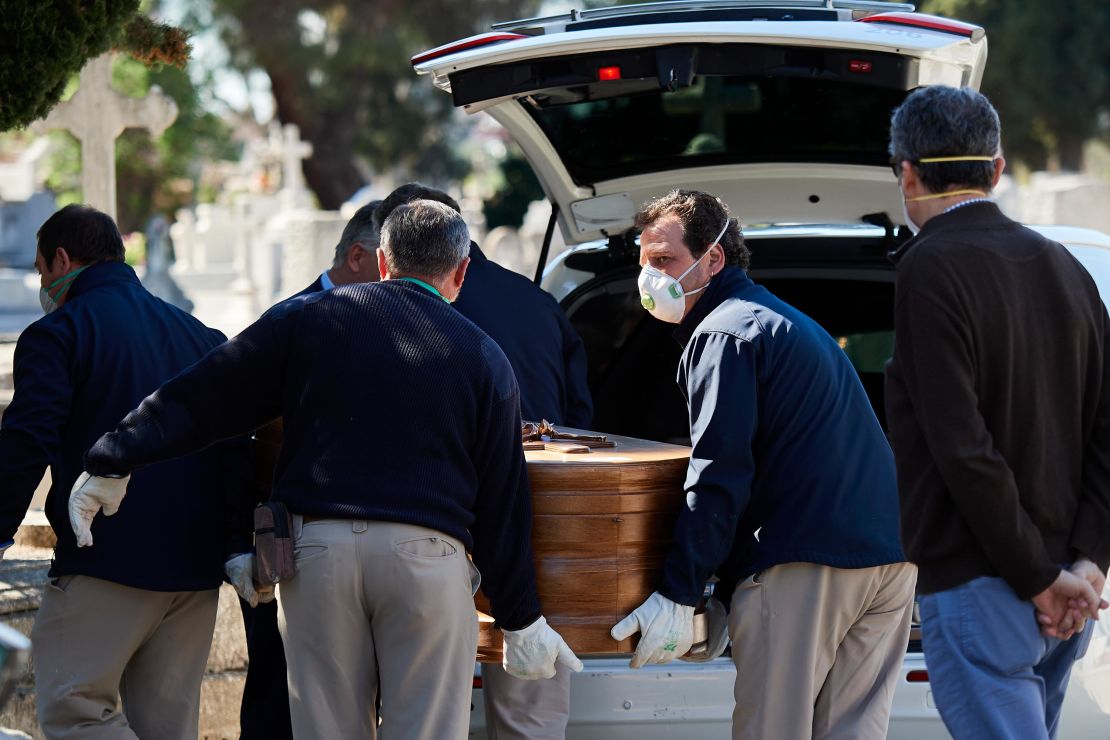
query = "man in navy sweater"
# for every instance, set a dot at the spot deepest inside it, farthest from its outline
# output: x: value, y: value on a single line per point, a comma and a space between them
x: 791, y: 496
x: 547, y: 355
x: 129, y: 620
x: 549, y: 362
x: 402, y: 451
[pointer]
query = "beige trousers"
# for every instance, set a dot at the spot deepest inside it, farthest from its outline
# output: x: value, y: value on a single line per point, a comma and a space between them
x: 378, y: 611
x: 97, y: 645
x: 526, y: 710
x: 817, y: 650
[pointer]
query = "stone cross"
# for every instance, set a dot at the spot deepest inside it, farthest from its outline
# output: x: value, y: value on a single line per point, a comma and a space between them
x: 291, y: 151
x: 96, y: 115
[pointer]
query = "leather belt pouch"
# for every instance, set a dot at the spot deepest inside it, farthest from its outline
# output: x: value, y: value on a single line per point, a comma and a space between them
x: 273, y: 544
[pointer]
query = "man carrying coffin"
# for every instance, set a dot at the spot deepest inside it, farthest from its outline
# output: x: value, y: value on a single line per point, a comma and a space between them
x: 791, y: 496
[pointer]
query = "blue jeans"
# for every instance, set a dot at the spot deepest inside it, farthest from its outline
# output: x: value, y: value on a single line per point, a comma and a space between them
x: 991, y: 673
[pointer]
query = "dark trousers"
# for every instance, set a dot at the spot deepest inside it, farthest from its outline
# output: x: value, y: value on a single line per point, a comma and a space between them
x: 264, y: 714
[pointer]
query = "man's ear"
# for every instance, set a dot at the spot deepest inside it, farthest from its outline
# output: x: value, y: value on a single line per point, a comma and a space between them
x: 383, y: 266
x: 61, y: 260
x: 717, y: 259
x: 910, y: 182
x: 999, y: 167
x: 354, y: 257
x: 460, y: 275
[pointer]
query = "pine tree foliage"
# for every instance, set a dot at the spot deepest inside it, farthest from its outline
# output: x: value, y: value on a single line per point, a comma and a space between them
x: 46, y: 42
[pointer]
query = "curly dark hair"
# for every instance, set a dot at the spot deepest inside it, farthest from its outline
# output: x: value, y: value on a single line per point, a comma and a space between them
x: 702, y: 215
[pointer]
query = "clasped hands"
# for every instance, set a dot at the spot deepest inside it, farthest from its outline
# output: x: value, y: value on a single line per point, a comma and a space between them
x: 1074, y: 597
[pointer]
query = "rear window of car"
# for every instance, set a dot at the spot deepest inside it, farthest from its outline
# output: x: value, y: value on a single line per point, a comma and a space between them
x: 869, y: 351
x: 721, y: 120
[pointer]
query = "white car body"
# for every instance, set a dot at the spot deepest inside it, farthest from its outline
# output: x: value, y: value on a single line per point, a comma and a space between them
x: 831, y: 198
x: 770, y: 191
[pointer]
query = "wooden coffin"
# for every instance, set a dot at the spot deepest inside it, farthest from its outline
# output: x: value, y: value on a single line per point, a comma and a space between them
x: 602, y: 523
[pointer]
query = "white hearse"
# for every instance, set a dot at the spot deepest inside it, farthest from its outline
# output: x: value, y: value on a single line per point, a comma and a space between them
x: 783, y: 109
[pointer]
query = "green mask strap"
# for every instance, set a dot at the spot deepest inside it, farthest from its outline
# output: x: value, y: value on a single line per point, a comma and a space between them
x: 426, y: 286
x: 65, y: 281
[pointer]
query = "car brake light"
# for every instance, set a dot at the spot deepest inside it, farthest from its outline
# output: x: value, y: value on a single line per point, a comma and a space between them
x: 928, y: 22
x: 473, y: 42
x: 608, y: 73
x: 913, y: 676
x: 858, y: 65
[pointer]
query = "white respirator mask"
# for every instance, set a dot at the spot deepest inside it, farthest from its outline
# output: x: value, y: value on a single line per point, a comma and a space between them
x: 662, y: 295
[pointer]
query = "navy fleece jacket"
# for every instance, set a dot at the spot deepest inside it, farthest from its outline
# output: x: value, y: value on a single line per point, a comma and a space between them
x: 789, y: 463
x: 529, y: 326
x: 78, y: 371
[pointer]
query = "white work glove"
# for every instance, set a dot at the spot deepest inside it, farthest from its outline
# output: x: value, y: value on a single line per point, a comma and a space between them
x: 240, y: 572
x: 90, y: 494
x: 666, y: 630
x: 716, y: 634
x: 532, y: 652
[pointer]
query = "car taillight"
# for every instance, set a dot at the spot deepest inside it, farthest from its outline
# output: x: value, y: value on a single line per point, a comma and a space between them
x: 477, y: 682
x: 608, y: 73
x: 859, y: 66
x: 484, y: 39
x: 913, y: 677
x: 928, y: 22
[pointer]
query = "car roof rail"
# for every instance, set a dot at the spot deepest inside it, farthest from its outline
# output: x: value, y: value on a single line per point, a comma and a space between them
x: 541, y: 24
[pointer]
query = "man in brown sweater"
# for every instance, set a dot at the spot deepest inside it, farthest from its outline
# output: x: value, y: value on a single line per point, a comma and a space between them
x: 998, y: 402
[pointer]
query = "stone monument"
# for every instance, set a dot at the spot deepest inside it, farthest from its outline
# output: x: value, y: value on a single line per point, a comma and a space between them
x: 158, y: 258
x: 96, y: 115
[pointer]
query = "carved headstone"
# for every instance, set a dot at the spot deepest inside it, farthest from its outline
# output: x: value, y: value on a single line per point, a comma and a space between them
x: 96, y: 115
x: 284, y: 148
x: 158, y: 257
x: 293, y: 151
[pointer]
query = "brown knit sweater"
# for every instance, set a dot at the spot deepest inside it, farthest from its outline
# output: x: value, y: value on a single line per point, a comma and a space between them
x: 998, y: 401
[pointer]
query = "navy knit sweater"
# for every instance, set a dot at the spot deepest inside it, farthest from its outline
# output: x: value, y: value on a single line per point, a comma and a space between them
x: 396, y: 408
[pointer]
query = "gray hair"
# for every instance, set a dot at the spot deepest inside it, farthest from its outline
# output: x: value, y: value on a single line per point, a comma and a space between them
x: 361, y: 229
x: 939, y: 121
x: 424, y: 239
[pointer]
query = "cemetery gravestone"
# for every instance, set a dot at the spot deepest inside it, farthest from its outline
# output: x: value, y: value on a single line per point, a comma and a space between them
x: 157, y: 278
x: 96, y: 115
